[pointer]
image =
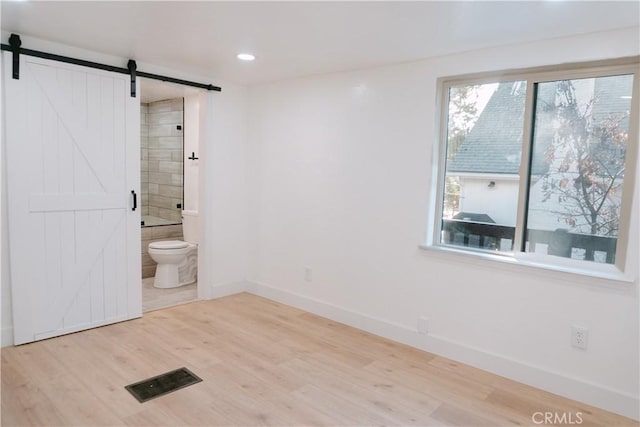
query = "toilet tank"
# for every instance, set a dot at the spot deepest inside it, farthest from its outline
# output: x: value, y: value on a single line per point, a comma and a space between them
x: 190, y: 226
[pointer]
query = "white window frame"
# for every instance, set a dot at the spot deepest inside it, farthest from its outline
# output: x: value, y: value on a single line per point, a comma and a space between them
x: 625, y: 267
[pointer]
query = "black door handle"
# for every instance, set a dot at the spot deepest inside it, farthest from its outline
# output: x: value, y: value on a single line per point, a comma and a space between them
x: 135, y: 200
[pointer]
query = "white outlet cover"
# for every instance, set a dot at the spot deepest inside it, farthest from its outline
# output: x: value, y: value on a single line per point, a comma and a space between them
x: 579, y: 337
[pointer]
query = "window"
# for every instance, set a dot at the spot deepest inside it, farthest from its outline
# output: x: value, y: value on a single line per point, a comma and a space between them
x: 484, y: 150
x: 534, y: 164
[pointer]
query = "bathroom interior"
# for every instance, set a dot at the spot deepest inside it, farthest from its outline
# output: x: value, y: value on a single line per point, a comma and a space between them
x: 168, y: 194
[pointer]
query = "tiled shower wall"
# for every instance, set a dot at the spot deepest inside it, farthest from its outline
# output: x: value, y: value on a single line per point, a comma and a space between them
x: 161, y: 159
x: 161, y: 173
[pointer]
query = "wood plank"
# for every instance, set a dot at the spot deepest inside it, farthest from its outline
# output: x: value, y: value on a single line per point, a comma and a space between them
x: 77, y: 202
x: 22, y: 391
x: 258, y: 368
x: 84, y: 138
x: 67, y: 145
x: 23, y: 121
x: 106, y: 386
x: 110, y: 279
x: 360, y: 393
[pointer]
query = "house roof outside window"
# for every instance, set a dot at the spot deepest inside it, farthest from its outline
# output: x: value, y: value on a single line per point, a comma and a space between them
x: 494, y: 144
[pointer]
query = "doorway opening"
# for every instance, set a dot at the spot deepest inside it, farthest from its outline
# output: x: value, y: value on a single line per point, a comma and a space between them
x: 168, y: 193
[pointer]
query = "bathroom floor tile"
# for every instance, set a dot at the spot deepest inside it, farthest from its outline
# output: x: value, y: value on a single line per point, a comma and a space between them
x: 154, y: 298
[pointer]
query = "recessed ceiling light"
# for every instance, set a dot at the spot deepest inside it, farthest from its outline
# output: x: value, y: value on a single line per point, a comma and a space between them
x: 246, y: 57
x: 626, y: 97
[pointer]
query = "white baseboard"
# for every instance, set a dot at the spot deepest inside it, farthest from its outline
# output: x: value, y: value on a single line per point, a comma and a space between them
x: 225, y: 289
x: 536, y: 376
x: 6, y: 333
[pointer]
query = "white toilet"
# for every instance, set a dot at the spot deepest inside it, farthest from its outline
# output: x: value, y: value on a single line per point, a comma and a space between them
x: 177, y: 260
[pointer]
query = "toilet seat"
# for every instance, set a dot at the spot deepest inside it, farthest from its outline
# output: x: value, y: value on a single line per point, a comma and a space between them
x: 168, y: 244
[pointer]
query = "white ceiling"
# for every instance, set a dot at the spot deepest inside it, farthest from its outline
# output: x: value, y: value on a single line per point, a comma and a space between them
x: 293, y: 39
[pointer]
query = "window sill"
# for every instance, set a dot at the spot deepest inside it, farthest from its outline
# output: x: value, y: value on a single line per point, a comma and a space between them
x: 602, y: 272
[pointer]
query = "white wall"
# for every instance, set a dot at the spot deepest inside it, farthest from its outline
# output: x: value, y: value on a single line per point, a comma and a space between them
x: 191, y: 145
x: 223, y: 191
x: 340, y: 176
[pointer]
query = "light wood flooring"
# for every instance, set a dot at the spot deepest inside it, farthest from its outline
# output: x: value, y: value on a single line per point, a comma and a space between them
x: 262, y: 363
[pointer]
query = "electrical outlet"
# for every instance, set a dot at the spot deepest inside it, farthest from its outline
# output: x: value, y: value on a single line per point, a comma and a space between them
x: 579, y: 337
x: 423, y: 325
x: 308, y: 274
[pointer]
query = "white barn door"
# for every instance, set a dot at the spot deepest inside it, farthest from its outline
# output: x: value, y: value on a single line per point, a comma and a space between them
x: 72, y: 141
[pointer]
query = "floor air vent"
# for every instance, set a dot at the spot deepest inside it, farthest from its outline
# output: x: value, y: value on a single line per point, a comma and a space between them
x: 162, y: 384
